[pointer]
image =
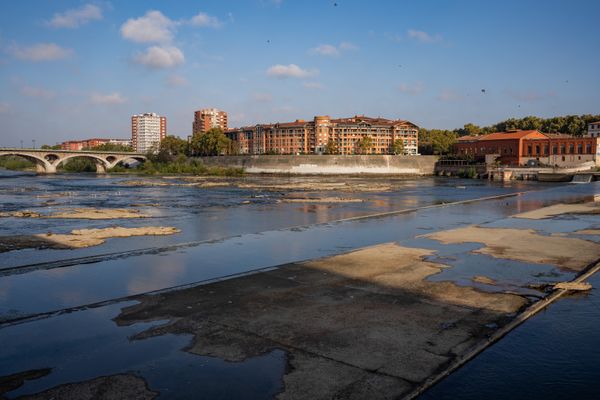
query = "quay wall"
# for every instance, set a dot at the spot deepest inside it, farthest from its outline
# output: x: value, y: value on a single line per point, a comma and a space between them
x: 328, y: 164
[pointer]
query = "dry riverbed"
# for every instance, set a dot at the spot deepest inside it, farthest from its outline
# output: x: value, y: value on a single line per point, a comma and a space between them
x: 365, y: 324
x: 319, y: 184
x: 561, y: 209
x: 78, y: 238
x: 79, y: 213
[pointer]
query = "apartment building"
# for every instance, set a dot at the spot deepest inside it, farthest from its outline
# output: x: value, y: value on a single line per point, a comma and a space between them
x: 326, y: 135
x: 207, y: 119
x: 147, y: 131
x: 594, y: 129
x: 77, y: 145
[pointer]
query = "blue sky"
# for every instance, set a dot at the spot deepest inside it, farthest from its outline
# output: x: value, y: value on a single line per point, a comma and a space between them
x: 79, y: 69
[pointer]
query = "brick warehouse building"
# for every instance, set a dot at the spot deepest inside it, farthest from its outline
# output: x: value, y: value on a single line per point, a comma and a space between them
x: 517, y: 148
x: 312, y: 137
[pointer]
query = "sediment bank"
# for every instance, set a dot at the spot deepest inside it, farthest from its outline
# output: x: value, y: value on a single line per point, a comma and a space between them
x: 78, y: 238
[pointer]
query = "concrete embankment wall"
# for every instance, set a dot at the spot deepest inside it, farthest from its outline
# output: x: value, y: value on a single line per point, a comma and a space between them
x: 328, y: 164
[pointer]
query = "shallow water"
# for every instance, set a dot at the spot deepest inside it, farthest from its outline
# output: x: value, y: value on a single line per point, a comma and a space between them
x: 230, y: 237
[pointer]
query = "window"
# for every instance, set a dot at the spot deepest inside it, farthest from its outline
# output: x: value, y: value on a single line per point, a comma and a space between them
x: 537, y: 149
x: 572, y: 148
x: 529, y: 150
x: 579, y: 149
x: 554, y: 149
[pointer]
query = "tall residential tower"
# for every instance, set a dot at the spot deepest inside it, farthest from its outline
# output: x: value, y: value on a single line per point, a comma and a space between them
x: 147, y: 130
x: 209, y: 118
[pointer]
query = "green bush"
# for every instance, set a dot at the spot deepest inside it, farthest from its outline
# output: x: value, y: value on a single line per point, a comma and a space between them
x: 469, y: 173
x: 16, y: 163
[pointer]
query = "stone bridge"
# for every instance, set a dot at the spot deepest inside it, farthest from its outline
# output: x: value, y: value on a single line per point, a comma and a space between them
x: 47, y: 160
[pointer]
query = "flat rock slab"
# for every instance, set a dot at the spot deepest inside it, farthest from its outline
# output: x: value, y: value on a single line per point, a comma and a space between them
x: 561, y: 209
x: 114, y: 387
x: 525, y: 245
x: 365, y: 324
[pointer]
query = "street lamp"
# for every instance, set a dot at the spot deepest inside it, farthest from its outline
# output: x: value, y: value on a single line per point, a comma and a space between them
x: 21, y: 143
x: 33, y: 141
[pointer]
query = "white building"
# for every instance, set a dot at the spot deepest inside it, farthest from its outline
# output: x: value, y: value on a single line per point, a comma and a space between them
x: 594, y: 129
x: 147, y: 130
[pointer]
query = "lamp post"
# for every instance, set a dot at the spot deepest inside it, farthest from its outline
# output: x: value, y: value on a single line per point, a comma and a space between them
x: 33, y: 141
x: 21, y: 143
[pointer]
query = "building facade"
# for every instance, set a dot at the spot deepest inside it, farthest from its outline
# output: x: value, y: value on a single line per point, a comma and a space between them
x: 209, y: 118
x: 594, y: 129
x: 325, y: 135
x: 147, y: 131
x: 77, y: 145
x: 521, y: 148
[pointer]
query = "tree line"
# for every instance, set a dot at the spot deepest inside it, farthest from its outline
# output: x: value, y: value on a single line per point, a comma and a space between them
x: 440, y: 141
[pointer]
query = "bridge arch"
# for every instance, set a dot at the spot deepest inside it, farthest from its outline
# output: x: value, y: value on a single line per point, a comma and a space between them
x: 101, y: 164
x: 41, y: 164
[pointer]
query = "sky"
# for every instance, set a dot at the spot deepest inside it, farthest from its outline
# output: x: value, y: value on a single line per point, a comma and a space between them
x: 79, y: 69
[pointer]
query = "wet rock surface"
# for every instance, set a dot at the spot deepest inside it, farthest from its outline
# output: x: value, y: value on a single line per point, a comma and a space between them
x: 365, y: 323
x: 78, y: 238
x: 524, y: 245
x: 114, y: 387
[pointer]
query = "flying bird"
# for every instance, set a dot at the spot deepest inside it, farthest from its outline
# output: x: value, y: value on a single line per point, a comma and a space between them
x: 482, y: 90
x: 335, y: 4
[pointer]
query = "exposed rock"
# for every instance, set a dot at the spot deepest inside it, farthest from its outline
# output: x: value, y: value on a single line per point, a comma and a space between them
x: 559, y: 209
x: 114, y: 387
x: 78, y: 238
x: 524, y: 245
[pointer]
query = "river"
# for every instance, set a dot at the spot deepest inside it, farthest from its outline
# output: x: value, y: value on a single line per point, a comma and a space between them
x: 58, y: 305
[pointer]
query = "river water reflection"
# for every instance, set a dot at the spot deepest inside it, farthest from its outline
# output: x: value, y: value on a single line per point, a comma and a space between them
x: 235, y: 230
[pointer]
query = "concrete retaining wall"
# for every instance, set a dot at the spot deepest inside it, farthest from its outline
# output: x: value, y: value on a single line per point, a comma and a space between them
x: 328, y: 165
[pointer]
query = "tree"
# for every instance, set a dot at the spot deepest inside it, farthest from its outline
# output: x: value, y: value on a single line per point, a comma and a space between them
x: 398, y: 146
x: 212, y: 143
x: 469, y: 129
x: 332, y: 147
x: 48, y: 147
x: 365, y: 144
x: 170, y: 148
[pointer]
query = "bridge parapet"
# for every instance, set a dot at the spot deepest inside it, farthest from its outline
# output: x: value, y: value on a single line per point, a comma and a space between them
x: 47, y: 160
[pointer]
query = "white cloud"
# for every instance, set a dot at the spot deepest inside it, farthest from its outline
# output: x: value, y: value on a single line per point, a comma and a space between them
x: 41, y: 52
x: 203, y: 19
x: 39, y: 93
x: 312, y: 85
x: 160, y: 57
x: 411, y: 89
x: 110, y: 99
x: 325, y: 50
x: 176, y: 80
x: 423, y: 36
x: 331, y: 50
x: 76, y: 17
x: 289, y: 71
x: 348, y: 46
x: 152, y: 27
x: 449, y: 95
x: 263, y: 97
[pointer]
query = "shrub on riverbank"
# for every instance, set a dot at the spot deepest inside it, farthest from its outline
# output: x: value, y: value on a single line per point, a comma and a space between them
x: 16, y: 163
x: 469, y: 173
x: 180, y: 166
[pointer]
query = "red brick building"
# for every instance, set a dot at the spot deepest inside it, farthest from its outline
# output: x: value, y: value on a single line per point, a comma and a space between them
x: 518, y: 148
x: 310, y: 137
x: 76, y: 145
x: 209, y: 118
